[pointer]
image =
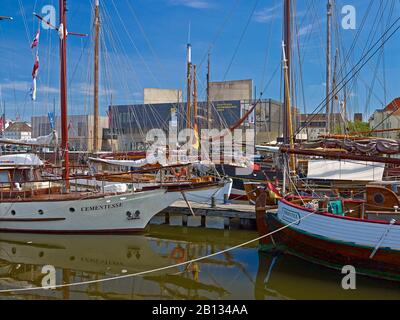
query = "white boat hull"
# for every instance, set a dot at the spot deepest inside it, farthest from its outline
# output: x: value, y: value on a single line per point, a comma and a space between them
x: 124, y: 213
x: 220, y: 194
x: 354, y: 232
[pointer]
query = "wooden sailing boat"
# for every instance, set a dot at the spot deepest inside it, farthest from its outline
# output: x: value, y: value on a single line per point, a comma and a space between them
x: 30, y: 203
x: 136, y: 168
x: 361, y: 231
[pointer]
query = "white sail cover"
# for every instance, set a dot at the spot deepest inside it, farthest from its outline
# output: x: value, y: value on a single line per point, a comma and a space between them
x: 49, y: 140
x: 26, y: 159
x: 270, y: 149
x: 345, y: 170
x: 123, y: 163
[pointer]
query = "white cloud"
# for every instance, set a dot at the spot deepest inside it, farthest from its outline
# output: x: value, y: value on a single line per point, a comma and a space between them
x: 25, y: 86
x: 47, y: 89
x: 85, y: 88
x: 196, y: 4
x: 15, y: 85
x: 267, y: 14
x: 306, y: 30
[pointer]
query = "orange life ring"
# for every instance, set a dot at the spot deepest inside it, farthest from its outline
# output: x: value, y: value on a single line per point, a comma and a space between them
x: 180, y: 173
x: 178, y: 254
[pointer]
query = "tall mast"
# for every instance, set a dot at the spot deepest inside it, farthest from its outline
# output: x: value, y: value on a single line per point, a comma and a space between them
x: 189, y: 82
x: 208, y: 91
x: 3, y: 126
x: 334, y: 85
x: 287, y: 51
x: 96, y: 78
x: 195, y: 123
x: 4, y: 117
x: 328, y: 65
x: 63, y: 88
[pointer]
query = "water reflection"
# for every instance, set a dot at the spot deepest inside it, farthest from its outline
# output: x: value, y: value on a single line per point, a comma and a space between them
x: 240, y: 274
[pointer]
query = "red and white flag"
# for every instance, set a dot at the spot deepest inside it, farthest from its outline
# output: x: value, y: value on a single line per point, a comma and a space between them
x: 35, y: 68
x: 35, y: 41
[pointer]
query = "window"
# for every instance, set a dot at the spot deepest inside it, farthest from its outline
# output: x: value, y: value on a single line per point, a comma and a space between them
x: 19, y: 176
x: 4, y: 179
x: 82, y: 129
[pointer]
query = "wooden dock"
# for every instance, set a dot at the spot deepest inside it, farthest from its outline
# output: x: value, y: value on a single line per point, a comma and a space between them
x: 225, y: 216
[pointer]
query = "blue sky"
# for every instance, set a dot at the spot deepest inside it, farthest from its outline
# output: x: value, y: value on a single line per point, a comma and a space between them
x: 144, y: 43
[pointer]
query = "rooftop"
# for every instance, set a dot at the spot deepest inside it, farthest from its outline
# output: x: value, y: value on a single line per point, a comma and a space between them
x: 19, y: 127
x: 394, y: 107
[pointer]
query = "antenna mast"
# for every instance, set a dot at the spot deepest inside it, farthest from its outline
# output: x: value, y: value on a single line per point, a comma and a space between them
x: 328, y: 66
x: 96, y: 78
x: 63, y: 88
x: 287, y: 58
x: 208, y: 91
x: 189, y: 81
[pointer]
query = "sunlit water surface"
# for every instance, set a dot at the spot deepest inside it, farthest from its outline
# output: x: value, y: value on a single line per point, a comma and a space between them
x: 242, y: 274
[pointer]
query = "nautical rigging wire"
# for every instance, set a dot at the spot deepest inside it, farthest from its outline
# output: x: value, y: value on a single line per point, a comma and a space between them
x: 390, y: 32
x: 127, y: 276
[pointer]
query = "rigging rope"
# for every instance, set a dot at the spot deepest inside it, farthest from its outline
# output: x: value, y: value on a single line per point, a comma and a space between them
x: 127, y: 276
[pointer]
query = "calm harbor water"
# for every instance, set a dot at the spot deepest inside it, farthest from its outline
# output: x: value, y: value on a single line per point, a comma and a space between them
x: 241, y: 274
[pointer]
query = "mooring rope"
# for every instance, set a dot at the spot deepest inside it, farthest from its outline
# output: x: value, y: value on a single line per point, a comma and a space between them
x: 161, y: 268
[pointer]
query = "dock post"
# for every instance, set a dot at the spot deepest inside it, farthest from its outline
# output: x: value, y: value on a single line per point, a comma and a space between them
x: 184, y: 220
x: 203, y: 221
x: 260, y: 214
x: 227, y: 223
x: 166, y: 216
x: 213, y: 203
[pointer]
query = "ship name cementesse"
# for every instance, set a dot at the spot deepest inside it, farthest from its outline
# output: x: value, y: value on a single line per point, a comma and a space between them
x: 102, y: 207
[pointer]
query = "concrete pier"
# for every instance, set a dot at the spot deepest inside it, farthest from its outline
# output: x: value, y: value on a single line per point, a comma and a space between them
x: 227, y: 216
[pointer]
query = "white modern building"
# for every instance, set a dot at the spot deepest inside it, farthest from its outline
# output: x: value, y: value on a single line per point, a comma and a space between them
x: 18, y: 131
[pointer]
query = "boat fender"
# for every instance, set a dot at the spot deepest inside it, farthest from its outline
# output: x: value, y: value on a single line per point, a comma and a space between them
x: 178, y: 254
x: 179, y: 173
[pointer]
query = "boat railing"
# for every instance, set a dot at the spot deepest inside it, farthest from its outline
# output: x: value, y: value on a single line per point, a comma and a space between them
x: 48, y: 188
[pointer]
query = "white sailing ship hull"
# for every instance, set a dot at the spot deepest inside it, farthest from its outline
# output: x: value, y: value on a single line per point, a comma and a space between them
x: 354, y: 232
x: 125, y: 213
x: 220, y: 194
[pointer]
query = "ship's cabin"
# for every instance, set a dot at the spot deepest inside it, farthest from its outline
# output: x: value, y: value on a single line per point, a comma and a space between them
x: 21, y: 177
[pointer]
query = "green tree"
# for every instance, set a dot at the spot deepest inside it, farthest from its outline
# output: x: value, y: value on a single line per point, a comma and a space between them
x: 353, y: 128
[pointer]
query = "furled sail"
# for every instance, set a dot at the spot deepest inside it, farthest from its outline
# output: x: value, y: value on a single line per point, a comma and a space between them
x: 50, y: 140
x: 26, y: 159
x: 364, y: 146
x: 123, y: 163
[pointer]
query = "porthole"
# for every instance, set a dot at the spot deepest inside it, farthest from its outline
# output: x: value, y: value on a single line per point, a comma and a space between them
x: 41, y: 212
x: 13, y: 212
x: 129, y: 215
x: 72, y: 210
x: 379, y: 198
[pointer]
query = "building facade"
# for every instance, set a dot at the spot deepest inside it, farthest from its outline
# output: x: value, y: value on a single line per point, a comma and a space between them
x: 313, y: 126
x: 386, y: 119
x: 80, y: 130
x: 131, y: 123
x: 156, y: 96
x: 231, y: 90
x: 18, y: 131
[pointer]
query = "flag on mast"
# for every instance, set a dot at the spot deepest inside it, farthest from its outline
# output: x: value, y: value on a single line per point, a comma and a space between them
x: 34, y: 76
x: 35, y: 41
x: 33, y: 90
x: 35, y: 68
